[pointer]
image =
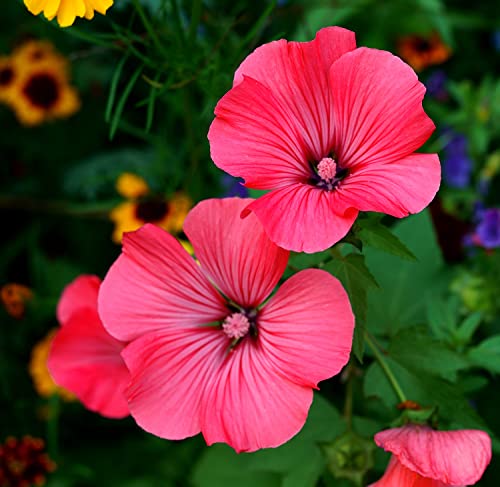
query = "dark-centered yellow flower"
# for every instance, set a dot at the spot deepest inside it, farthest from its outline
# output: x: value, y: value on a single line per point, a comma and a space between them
x: 421, y: 52
x: 14, y: 298
x: 7, y: 79
x: 67, y: 10
x: 44, y: 93
x: 141, y: 206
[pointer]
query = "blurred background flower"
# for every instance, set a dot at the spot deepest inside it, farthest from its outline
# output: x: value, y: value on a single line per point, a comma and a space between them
x: 421, y: 51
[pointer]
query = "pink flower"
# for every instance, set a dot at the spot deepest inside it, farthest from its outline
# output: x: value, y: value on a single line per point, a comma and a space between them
x: 209, y: 352
x: 331, y: 130
x: 423, y: 457
x: 83, y: 357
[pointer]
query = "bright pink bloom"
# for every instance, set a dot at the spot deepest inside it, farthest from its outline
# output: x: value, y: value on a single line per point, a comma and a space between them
x: 208, y: 353
x: 423, y: 457
x: 84, y: 358
x: 332, y: 131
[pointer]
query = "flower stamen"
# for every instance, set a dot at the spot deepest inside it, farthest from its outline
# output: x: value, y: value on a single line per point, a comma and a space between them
x: 236, y: 325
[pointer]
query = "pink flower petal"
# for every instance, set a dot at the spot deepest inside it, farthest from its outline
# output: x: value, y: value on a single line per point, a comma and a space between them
x: 454, y: 457
x: 86, y: 360
x: 306, y: 328
x: 257, y: 137
x: 378, y: 112
x: 155, y: 284
x: 81, y: 293
x: 303, y: 218
x: 297, y: 75
x: 169, y: 372
x: 398, y: 188
x: 236, y: 253
x: 398, y: 475
x: 249, y: 406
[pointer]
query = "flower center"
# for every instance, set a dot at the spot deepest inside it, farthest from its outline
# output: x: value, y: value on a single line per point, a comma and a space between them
x: 236, y: 325
x: 42, y: 90
x: 328, y: 174
x: 151, y: 211
x: 6, y: 75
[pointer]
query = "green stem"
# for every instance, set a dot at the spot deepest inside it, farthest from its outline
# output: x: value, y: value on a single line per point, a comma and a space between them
x: 385, y: 367
x: 150, y: 29
x: 195, y: 19
x: 348, y: 397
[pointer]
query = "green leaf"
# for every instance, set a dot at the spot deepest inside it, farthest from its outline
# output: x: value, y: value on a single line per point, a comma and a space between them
x: 468, y: 327
x: 418, y: 351
x: 426, y: 390
x: 374, y: 234
x: 357, y: 279
x: 298, y: 463
x: 442, y: 317
x: 487, y: 354
x: 405, y: 286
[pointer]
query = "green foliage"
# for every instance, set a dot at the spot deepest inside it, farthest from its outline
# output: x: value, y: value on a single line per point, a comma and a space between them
x: 357, y: 280
x: 487, y: 354
x: 405, y: 286
x: 298, y: 463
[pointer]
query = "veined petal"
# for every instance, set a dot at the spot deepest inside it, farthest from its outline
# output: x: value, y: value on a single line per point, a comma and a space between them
x: 397, y: 475
x: 454, y: 457
x: 257, y: 137
x: 81, y: 293
x: 236, y: 253
x: 377, y: 108
x: 297, y: 75
x: 86, y: 360
x: 249, y: 406
x: 169, y: 373
x: 303, y: 218
x: 155, y: 284
x: 306, y: 328
x: 397, y: 188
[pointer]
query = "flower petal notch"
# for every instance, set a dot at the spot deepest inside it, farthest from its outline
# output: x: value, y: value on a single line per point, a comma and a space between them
x: 331, y: 130
x: 84, y: 358
x: 424, y: 457
x: 209, y: 351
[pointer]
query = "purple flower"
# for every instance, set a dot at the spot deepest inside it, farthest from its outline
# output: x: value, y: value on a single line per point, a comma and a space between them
x: 233, y: 187
x: 457, y: 166
x: 436, y: 85
x: 488, y: 229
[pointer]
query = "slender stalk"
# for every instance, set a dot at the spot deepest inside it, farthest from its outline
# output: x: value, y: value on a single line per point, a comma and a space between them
x: 348, y: 397
x: 385, y: 367
x: 195, y: 19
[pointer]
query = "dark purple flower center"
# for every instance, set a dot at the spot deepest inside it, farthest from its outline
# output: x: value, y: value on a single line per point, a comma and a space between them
x: 42, y: 90
x: 327, y: 174
x: 151, y: 211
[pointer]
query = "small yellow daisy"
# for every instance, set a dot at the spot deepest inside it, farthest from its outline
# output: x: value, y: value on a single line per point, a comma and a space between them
x: 67, y: 10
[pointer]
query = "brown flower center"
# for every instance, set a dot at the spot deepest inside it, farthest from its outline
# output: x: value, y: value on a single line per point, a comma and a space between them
x: 42, y: 90
x: 6, y: 76
x: 151, y: 210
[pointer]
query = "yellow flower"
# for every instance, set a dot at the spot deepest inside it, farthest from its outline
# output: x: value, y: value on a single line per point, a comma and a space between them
x: 67, y: 10
x: 34, y: 51
x: 420, y: 52
x: 44, y: 93
x: 131, y: 186
x: 7, y: 79
x: 14, y: 298
x: 167, y: 214
x: 42, y: 380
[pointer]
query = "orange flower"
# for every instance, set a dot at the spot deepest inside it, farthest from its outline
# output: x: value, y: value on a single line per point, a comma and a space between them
x: 14, y: 298
x: 24, y: 462
x: 421, y: 52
